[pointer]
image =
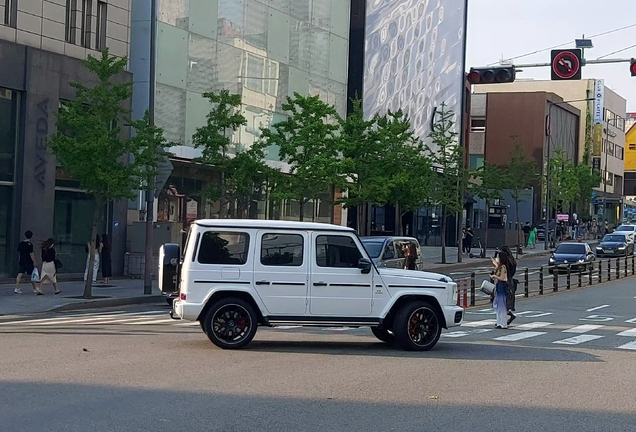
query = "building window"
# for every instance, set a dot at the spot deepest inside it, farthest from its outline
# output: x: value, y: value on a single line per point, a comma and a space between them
x: 619, y: 152
x: 101, y: 25
x: 475, y: 161
x: 11, y: 13
x: 8, y: 134
x: 477, y: 125
x: 71, y: 21
x: 87, y: 21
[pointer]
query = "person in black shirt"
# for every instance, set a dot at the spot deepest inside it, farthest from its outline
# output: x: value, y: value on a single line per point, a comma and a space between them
x: 26, y: 261
x: 526, y: 233
x: 48, y: 266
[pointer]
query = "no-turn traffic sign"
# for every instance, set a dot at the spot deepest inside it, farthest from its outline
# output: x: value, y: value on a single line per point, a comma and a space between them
x: 566, y: 64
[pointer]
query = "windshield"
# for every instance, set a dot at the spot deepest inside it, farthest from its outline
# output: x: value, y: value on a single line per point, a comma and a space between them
x: 614, y: 238
x: 570, y: 249
x: 373, y: 247
x: 625, y: 228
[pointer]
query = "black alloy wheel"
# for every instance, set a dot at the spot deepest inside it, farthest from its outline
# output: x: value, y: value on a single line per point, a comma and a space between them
x: 231, y: 323
x: 417, y: 326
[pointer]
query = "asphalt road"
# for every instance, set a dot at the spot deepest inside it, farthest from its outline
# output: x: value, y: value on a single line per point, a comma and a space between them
x: 136, y: 370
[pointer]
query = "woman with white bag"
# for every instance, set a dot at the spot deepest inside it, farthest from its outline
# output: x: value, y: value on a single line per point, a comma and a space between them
x: 501, y: 290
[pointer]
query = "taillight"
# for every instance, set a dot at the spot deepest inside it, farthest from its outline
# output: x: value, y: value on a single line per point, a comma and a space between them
x: 182, y: 296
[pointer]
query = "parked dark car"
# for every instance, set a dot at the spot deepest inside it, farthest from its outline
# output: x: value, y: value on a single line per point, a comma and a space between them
x: 387, y: 251
x: 614, y: 245
x: 541, y: 229
x: 574, y: 255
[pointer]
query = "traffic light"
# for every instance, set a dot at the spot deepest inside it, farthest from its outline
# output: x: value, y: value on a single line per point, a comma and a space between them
x: 491, y: 75
x: 632, y: 67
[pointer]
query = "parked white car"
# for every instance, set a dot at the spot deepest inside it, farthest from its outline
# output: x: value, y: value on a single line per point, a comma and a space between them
x: 235, y: 275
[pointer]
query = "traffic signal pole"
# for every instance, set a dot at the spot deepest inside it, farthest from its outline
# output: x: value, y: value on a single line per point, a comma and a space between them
x: 585, y: 62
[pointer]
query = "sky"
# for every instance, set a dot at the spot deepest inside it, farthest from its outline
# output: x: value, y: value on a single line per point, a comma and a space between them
x: 511, y: 28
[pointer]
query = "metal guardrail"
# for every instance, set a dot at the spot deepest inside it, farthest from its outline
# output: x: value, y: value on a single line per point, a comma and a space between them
x: 533, y: 279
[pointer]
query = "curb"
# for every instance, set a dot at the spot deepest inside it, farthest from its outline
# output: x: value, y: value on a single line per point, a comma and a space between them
x: 103, y: 303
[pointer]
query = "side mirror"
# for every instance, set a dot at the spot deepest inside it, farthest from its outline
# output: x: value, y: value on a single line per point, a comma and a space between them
x: 364, y: 264
x: 169, y: 255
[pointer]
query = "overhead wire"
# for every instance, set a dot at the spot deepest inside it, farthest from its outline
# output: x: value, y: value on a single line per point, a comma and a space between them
x: 616, y: 52
x: 569, y: 42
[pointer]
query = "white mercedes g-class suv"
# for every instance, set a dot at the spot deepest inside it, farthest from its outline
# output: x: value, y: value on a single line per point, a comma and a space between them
x: 235, y: 275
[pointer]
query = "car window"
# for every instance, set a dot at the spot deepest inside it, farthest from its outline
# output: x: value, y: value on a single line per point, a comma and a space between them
x: 570, y: 249
x: 224, y: 248
x: 282, y: 250
x: 627, y: 228
x: 399, y: 248
x: 373, y: 247
x: 389, y: 251
x: 337, y: 251
x: 417, y: 249
x: 614, y: 238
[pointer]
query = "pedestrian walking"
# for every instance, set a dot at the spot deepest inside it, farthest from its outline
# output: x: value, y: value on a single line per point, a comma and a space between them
x: 512, y: 284
x: 468, y: 240
x: 500, y: 277
x: 98, y: 250
x: 532, y: 238
x: 26, y: 262
x: 107, y: 271
x: 410, y: 255
x: 49, y: 266
x: 526, y: 234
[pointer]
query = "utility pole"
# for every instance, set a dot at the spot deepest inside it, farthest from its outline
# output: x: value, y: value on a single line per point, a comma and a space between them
x: 150, y: 193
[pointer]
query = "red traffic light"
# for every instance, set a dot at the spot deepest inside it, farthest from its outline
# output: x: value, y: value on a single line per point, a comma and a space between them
x: 491, y: 75
x: 632, y: 67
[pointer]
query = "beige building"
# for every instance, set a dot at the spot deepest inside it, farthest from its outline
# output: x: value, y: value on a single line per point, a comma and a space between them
x: 74, y: 28
x: 576, y: 93
x: 42, y: 43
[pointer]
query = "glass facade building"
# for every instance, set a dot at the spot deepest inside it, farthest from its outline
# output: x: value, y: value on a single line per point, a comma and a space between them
x: 9, y: 111
x: 263, y: 50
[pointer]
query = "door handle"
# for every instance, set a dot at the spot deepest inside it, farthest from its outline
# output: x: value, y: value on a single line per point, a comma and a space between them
x: 261, y: 282
x: 320, y: 284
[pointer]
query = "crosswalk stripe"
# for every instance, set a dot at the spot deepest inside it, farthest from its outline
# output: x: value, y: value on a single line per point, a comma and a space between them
x: 155, y: 321
x: 532, y: 325
x: 69, y: 318
x: 583, y: 328
x: 455, y: 334
x: 519, y: 336
x: 575, y: 340
x: 482, y: 323
x: 628, y: 333
x: 629, y: 346
x: 66, y: 321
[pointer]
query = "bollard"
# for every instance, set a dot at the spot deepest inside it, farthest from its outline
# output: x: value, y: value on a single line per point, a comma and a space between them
x: 633, y: 267
x: 465, y: 305
x: 609, y: 269
x: 567, y: 286
x: 555, y: 279
x: 526, y: 287
x: 590, y: 274
x: 625, y: 267
x: 618, y: 268
x: 472, y: 289
x: 580, y: 284
x: 600, y: 271
x: 541, y: 281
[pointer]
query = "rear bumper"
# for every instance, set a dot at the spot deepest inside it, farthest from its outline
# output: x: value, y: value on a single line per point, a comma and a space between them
x: 186, y: 311
x: 454, y: 315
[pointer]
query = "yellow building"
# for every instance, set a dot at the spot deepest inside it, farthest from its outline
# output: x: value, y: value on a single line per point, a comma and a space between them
x: 630, y: 149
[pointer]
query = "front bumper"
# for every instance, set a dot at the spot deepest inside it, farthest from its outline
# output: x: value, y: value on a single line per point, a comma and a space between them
x: 454, y: 315
x: 186, y: 311
x: 614, y: 254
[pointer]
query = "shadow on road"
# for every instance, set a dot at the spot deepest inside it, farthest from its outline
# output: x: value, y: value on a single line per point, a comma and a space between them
x: 55, y: 407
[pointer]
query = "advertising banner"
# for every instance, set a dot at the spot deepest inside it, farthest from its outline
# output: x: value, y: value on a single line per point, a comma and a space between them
x: 597, y: 139
x: 599, y: 97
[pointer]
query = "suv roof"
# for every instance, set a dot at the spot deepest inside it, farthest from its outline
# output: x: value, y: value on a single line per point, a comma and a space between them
x: 269, y: 224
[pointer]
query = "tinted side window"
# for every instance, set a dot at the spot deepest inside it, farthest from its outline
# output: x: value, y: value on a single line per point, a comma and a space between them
x: 224, y: 248
x: 282, y: 250
x: 336, y: 251
x: 389, y: 250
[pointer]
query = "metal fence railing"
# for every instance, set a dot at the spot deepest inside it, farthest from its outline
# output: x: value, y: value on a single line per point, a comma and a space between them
x: 541, y: 280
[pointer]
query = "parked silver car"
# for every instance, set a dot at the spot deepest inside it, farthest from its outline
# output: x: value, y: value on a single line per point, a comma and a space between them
x: 388, y: 251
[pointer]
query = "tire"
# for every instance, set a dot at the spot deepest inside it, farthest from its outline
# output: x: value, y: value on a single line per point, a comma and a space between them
x: 426, y: 318
x: 170, y: 300
x: 383, y: 335
x: 237, y: 314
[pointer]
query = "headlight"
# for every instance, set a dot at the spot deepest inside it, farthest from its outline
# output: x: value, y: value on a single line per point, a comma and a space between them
x: 581, y: 261
x: 551, y: 260
x: 621, y: 248
x: 599, y: 248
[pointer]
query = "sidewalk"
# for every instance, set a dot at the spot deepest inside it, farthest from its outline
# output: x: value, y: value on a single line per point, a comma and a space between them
x: 119, y: 292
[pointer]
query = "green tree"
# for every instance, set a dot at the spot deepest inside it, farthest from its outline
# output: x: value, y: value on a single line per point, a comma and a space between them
x: 90, y: 146
x: 521, y: 173
x: 308, y: 142
x: 487, y: 183
x: 564, y: 185
x: 588, y: 179
x: 240, y: 170
x: 447, y: 159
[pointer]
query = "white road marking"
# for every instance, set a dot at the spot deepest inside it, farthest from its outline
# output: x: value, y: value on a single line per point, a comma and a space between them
x: 479, y: 323
x: 337, y: 328
x: 187, y: 323
x: 532, y: 325
x: 455, y: 334
x: 57, y: 321
x: 575, y: 340
x: 597, y: 308
x: 289, y: 327
x: 629, y: 346
x: 519, y: 336
x: 583, y: 328
x: 628, y: 333
x: 155, y: 321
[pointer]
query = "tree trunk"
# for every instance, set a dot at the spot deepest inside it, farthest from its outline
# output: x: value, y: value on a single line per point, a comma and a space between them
x: 360, y: 219
x: 443, y: 233
x: 398, y: 220
x: 301, y: 204
x: 367, y: 219
x: 224, y: 202
x: 458, y: 235
x: 88, y: 285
